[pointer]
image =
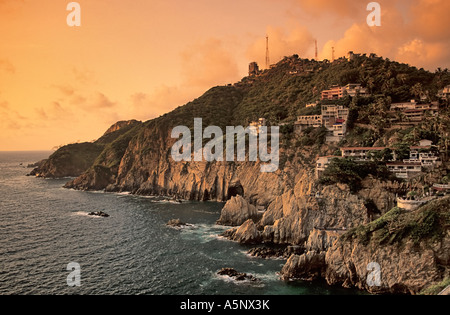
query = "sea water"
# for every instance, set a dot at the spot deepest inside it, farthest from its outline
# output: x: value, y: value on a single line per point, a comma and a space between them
x: 44, y: 227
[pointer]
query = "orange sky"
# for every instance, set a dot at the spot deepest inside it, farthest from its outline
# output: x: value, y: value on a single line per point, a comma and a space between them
x: 142, y: 58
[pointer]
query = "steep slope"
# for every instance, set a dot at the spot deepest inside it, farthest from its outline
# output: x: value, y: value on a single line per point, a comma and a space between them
x: 74, y: 159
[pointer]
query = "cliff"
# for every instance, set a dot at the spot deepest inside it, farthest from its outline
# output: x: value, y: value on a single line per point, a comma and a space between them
x: 74, y: 159
x: 412, y: 250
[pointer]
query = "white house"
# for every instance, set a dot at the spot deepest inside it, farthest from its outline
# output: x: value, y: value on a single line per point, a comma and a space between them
x: 360, y: 153
x: 323, y: 162
x: 405, y: 170
x: 258, y: 124
x: 445, y: 92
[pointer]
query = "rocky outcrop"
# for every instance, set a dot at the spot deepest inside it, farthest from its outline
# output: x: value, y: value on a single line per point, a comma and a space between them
x: 402, y: 253
x: 236, y: 211
x: 96, y: 178
x: 275, y: 252
x: 68, y: 161
x: 247, y: 233
x: 121, y: 125
x: 294, y: 215
x: 237, y: 276
x: 309, y: 266
x: 403, y: 270
x: 99, y: 214
x: 78, y: 159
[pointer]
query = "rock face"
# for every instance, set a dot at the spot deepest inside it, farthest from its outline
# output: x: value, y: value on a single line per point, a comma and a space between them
x: 295, y: 214
x: 74, y: 160
x: 68, y: 161
x: 247, y: 233
x: 120, y: 125
x: 403, y: 251
x: 309, y: 266
x: 236, y: 211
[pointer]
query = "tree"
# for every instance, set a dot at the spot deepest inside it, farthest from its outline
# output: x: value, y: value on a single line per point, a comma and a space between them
x: 417, y: 90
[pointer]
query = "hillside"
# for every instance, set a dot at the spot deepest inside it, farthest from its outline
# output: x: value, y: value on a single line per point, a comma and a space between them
x: 72, y: 160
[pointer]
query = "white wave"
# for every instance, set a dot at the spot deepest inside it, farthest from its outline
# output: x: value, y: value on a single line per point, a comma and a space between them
x: 258, y: 283
x: 84, y: 214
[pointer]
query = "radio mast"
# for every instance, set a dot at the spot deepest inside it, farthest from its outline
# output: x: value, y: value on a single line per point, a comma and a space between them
x: 317, y: 53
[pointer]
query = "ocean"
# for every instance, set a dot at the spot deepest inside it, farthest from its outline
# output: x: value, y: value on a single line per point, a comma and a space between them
x: 44, y: 228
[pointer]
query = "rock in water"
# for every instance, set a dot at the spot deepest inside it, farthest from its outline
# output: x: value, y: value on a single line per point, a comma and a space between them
x: 238, y: 276
x: 176, y: 223
x: 236, y: 211
x: 99, y: 214
x: 247, y: 233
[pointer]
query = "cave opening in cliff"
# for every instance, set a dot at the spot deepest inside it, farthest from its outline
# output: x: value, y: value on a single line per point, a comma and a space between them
x: 235, y: 190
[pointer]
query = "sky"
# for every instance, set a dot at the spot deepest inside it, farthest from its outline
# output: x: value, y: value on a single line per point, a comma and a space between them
x: 139, y: 59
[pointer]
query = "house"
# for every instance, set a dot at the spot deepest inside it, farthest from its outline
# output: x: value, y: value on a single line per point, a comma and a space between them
x: 331, y: 114
x: 253, y: 69
x: 334, y: 93
x: 312, y: 104
x: 338, y: 132
x: 444, y: 93
x: 409, y: 205
x: 334, y: 118
x: 404, y: 106
x: 424, y: 154
x: 412, y: 111
x: 258, y: 124
x: 360, y: 153
x: 425, y: 143
x: 405, y: 170
x: 305, y: 122
x: 441, y: 188
x: 337, y: 92
x: 323, y: 162
x: 355, y: 89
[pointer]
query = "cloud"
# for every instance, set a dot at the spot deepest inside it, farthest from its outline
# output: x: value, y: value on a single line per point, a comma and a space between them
x: 161, y: 100
x: 298, y: 40
x: 67, y: 90
x: 430, y: 19
x: 208, y: 63
x: 10, y: 118
x: 100, y: 100
x: 84, y: 76
x: 7, y: 66
x: 411, y: 36
x: 341, y: 8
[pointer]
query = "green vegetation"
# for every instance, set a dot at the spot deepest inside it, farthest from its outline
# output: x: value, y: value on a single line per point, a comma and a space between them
x: 430, y: 222
x: 347, y: 171
x: 72, y: 159
x: 436, y: 288
x: 113, y: 152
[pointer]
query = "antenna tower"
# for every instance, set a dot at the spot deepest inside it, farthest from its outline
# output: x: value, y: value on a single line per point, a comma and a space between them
x: 267, y: 52
x: 332, y: 54
x: 316, y: 50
